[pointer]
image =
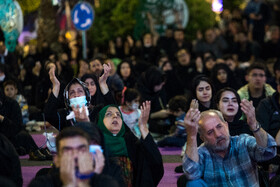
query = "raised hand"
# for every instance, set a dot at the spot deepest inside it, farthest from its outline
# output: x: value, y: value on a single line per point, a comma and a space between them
x: 54, y: 80
x: 194, y: 104
x: 107, y: 68
x: 99, y: 162
x: 80, y: 115
x: 249, y: 110
x: 102, y: 80
x: 191, y: 121
x: 67, y: 169
x: 144, y: 117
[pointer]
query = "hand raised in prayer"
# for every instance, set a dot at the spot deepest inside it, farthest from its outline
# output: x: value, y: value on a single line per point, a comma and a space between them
x: 249, y: 110
x: 54, y: 80
x: 81, y: 115
x: 191, y: 121
x: 144, y: 117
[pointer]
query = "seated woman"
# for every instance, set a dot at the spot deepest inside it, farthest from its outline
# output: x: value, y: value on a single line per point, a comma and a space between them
x: 77, y: 99
x: 99, y: 93
x: 151, y: 87
x: 125, y: 71
x: 222, y: 77
x: 228, y: 102
x: 140, y: 160
x: 203, y: 92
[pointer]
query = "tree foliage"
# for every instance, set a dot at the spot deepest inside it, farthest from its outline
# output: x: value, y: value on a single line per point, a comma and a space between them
x: 232, y: 4
x: 201, y: 17
x: 117, y: 18
x: 112, y: 18
x: 48, y: 29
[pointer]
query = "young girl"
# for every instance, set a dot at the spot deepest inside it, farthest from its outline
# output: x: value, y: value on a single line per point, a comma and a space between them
x: 223, y: 77
x: 130, y: 110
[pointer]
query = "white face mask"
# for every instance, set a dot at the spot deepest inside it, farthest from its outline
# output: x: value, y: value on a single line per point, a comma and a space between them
x: 135, y: 106
x: 78, y: 101
x: 2, y: 77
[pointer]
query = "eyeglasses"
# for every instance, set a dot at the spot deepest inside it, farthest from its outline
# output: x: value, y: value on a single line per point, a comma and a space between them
x: 258, y: 75
x: 80, y: 148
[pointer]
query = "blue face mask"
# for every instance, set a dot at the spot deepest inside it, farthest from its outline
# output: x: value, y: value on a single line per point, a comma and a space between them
x: 78, y: 101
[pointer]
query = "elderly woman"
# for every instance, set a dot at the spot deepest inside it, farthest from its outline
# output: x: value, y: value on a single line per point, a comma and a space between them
x: 140, y: 160
x: 76, y: 95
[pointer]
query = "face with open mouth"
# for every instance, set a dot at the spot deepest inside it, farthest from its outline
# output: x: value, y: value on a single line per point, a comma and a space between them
x: 228, y: 104
x: 112, y: 120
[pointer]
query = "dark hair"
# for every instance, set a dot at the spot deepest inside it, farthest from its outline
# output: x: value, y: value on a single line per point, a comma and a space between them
x: 179, y: 30
x: 256, y: 65
x: 128, y: 61
x: 90, y: 76
x: 183, y: 49
x: 276, y: 65
x: 163, y: 55
x: 10, y: 82
x: 218, y: 96
x: 130, y: 94
x: 95, y: 134
x: 70, y: 132
x: 101, y: 60
x: 218, y: 67
x: 177, y: 102
x: 228, y: 56
x: 2, y: 68
x: 197, y: 79
x: 152, y: 77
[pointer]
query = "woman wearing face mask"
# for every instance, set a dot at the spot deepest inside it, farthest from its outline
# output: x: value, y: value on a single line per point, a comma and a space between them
x: 130, y: 111
x: 76, y: 98
x: 228, y: 102
x: 140, y: 160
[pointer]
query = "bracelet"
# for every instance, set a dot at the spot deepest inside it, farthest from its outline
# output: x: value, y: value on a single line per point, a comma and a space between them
x: 84, y: 176
x: 258, y: 128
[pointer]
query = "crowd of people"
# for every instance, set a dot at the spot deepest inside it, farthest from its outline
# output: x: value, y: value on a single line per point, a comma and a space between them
x: 217, y: 96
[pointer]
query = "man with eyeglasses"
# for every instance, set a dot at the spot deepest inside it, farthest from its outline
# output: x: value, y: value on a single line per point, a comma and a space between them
x: 74, y: 163
x: 256, y: 89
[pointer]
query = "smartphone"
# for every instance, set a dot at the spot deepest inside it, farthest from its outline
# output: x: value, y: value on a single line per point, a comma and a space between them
x: 93, y: 148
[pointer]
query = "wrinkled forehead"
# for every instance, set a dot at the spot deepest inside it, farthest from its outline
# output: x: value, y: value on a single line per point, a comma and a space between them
x: 75, y: 86
x: 209, y: 120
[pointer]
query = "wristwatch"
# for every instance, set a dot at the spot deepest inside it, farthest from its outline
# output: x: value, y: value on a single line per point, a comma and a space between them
x: 258, y: 127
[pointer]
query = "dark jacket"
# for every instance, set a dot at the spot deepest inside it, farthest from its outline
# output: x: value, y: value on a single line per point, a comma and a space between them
x: 267, y: 114
x: 53, y: 180
x: 238, y: 126
x: 12, y: 123
x: 57, y: 117
x: 10, y: 164
x: 146, y: 160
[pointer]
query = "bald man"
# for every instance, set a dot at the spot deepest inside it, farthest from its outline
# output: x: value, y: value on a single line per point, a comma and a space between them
x: 223, y: 160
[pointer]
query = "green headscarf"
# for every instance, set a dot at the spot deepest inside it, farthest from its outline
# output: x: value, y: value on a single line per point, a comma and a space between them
x: 115, y: 144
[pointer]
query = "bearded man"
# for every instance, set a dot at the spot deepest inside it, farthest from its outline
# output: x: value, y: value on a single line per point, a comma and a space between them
x: 224, y: 160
